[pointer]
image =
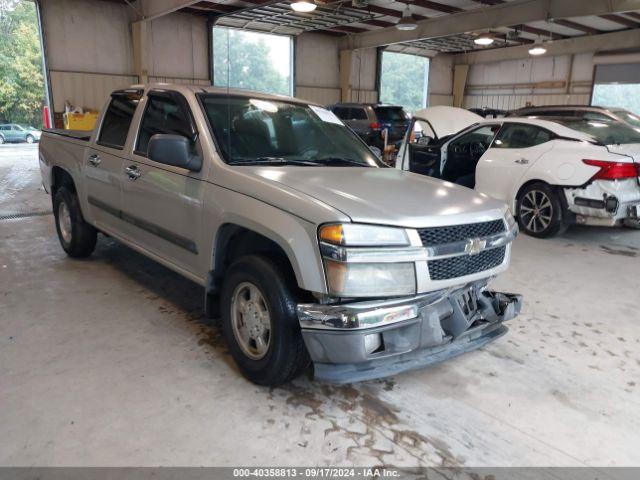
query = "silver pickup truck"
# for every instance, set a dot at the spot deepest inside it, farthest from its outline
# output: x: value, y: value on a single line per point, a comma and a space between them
x: 309, y: 249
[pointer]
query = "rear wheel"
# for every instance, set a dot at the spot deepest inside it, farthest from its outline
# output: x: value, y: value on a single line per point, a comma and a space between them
x: 1, y: 139
x: 76, y: 236
x: 30, y: 139
x: 260, y: 323
x: 540, y: 211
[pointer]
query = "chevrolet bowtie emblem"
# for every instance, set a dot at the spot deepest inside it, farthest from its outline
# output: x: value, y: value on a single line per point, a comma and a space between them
x: 475, y: 246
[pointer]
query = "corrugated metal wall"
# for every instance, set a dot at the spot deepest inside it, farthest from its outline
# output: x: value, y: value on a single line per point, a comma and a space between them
x: 511, y: 101
x: 86, y: 90
x: 510, y: 84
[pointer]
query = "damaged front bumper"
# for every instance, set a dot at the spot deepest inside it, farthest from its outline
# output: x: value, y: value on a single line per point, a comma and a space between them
x: 372, y: 339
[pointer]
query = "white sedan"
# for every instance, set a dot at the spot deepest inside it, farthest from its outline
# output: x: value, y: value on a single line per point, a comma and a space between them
x: 550, y: 172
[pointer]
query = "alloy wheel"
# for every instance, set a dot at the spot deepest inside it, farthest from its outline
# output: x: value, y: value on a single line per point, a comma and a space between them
x: 536, y: 211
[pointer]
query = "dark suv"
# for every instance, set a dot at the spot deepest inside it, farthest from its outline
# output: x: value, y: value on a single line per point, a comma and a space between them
x: 586, y: 112
x: 369, y: 120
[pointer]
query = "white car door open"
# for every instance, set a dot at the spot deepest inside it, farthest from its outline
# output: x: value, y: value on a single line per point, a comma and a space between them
x: 516, y: 148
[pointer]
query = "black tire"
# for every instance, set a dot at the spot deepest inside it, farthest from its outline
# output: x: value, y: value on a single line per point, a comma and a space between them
x: 540, y: 211
x: 30, y: 139
x: 81, y: 237
x: 286, y: 356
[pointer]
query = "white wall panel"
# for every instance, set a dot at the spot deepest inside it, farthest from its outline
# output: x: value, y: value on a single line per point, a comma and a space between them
x: 86, y: 90
x: 178, y: 47
x: 440, y: 91
x: 88, y: 36
x: 512, y: 84
x: 317, y: 61
x: 322, y: 96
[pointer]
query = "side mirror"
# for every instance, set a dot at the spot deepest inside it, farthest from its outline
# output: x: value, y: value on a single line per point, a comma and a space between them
x: 173, y: 150
x: 376, y: 151
x: 424, y: 140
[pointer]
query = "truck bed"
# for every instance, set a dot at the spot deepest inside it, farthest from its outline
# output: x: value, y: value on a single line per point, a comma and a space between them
x: 83, y: 135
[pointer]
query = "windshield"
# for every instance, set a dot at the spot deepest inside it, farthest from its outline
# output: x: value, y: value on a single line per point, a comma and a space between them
x: 255, y: 131
x: 628, y: 117
x: 607, y: 132
x: 390, y: 114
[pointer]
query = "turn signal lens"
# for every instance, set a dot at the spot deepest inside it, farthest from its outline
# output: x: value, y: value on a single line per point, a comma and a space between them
x: 613, y: 170
x: 332, y: 234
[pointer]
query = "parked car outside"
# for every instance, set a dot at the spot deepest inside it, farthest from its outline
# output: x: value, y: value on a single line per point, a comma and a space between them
x: 370, y: 120
x: 551, y: 172
x: 308, y: 248
x: 580, y: 111
x: 12, y: 133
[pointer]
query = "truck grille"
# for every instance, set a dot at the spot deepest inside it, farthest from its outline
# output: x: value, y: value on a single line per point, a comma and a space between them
x: 452, y: 267
x: 456, y: 233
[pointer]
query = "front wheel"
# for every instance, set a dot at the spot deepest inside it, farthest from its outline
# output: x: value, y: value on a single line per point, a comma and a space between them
x: 1, y: 140
x: 540, y: 211
x: 30, y: 139
x: 260, y: 323
x: 76, y: 236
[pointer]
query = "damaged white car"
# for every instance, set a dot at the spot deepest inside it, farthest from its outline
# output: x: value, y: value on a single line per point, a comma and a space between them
x: 551, y: 172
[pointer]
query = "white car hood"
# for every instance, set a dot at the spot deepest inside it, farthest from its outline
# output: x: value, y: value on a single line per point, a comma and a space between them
x: 447, y: 120
x: 387, y: 196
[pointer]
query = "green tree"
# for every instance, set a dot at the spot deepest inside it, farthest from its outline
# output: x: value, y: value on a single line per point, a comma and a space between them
x: 21, y: 81
x: 245, y: 63
x: 402, y: 80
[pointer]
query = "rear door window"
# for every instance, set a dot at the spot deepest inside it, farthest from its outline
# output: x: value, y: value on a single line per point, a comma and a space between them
x: 390, y: 114
x: 116, y: 122
x: 516, y: 135
x: 358, y: 113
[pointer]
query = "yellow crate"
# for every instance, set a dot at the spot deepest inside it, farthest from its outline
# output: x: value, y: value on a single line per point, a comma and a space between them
x: 80, y: 121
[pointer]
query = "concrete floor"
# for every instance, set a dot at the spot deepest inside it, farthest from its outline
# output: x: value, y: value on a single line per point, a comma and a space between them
x: 108, y: 362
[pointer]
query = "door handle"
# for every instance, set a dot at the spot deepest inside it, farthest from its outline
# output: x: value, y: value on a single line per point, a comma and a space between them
x: 522, y: 161
x: 133, y: 172
x: 94, y: 159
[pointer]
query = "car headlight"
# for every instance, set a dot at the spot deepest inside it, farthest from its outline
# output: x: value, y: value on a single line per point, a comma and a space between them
x: 359, y: 235
x: 367, y: 279
x: 370, y: 279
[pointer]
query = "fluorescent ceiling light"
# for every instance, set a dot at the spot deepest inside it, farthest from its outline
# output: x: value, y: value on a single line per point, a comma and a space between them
x: 483, y: 40
x: 303, y: 6
x: 407, y: 22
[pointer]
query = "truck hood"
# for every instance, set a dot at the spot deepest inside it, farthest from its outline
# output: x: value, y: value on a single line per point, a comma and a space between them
x: 387, y: 196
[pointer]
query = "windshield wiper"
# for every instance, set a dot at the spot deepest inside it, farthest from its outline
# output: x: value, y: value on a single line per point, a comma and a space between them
x: 271, y: 161
x: 344, y: 160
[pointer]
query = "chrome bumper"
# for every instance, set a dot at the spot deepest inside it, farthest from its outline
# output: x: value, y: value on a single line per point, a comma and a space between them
x: 366, y: 340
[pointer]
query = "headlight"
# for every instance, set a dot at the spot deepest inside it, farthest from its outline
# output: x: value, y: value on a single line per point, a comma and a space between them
x: 358, y: 235
x: 370, y: 279
x: 365, y: 279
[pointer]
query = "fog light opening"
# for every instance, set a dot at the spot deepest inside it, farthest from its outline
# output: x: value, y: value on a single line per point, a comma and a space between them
x: 373, y: 343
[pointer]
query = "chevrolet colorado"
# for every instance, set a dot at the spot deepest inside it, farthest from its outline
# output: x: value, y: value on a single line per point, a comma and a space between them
x: 309, y: 249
